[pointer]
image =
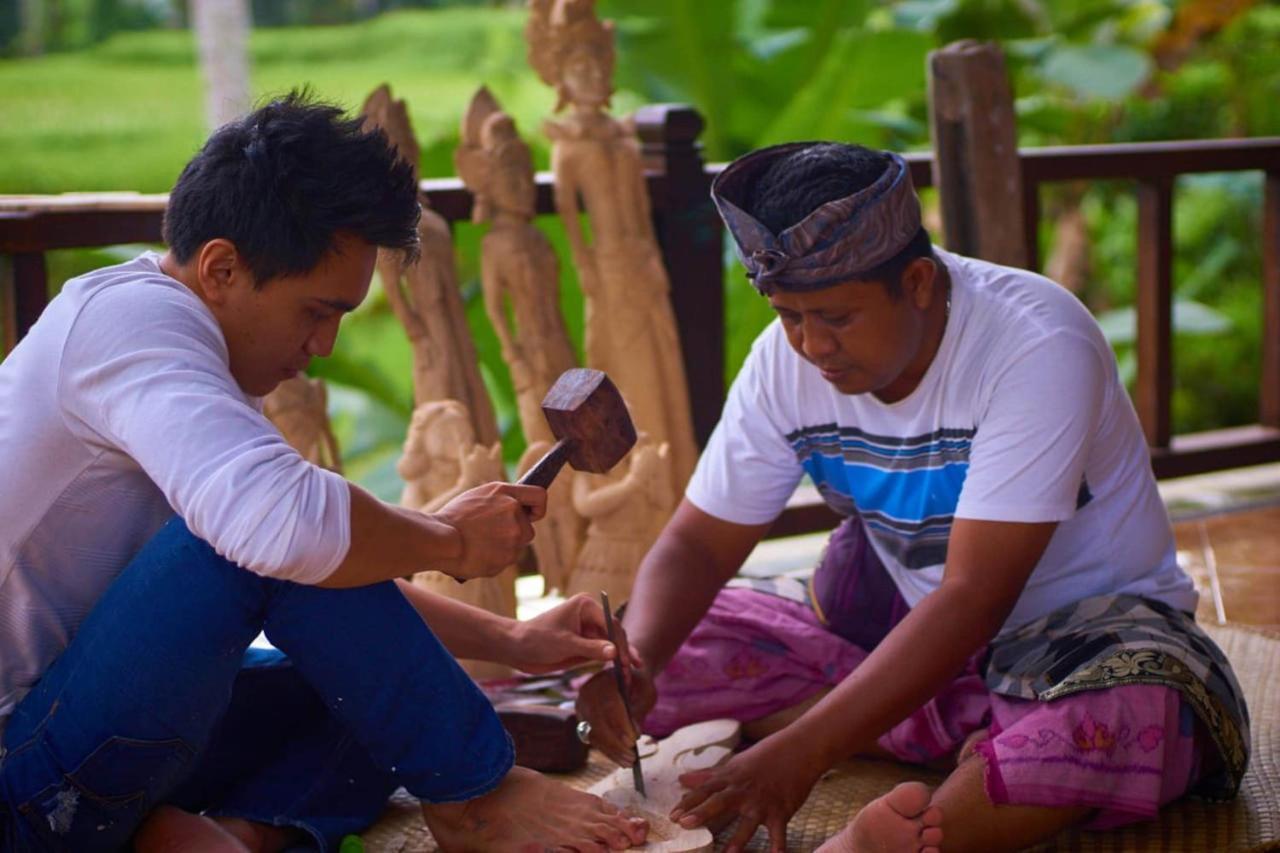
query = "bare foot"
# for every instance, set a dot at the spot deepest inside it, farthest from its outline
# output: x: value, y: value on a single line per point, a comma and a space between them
x: 171, y: 830
x: 899, y: 822
x: 528, y: 811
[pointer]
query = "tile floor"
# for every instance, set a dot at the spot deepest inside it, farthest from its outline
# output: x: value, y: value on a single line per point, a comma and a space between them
x: 1234, y: 558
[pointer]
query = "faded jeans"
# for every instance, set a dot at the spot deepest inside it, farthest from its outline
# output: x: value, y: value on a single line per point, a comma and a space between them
x: 159, y: 699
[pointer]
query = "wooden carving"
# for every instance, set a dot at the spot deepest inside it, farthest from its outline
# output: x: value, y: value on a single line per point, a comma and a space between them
x: 696, y: 747
x: 630, y: 326
x: 442, y: 459
x: 424, y: 293
x: 520, y: 280
x: 625, y: 510
x: 519, y: 271
x: 299, y: 409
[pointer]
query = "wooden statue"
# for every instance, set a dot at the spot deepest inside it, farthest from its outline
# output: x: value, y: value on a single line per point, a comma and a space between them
x: 519, y: 270
x: 520, y: 278
x: 424, y: 294
x: 630, y: 326
x: 441, y: 460
x: 625, y: 511
x: 700, y: 746
x: 299, y: 409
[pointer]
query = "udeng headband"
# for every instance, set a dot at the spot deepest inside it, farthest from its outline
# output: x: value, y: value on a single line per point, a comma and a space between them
x: 836, y: 242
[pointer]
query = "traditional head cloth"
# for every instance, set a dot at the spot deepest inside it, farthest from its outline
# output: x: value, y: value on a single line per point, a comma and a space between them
x: 837, y: 242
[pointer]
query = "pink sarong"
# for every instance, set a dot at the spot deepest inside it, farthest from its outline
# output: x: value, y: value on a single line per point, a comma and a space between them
x: 1125, y: 751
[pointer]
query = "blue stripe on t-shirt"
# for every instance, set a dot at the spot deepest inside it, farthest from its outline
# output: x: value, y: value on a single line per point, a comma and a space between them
x: 908, y: 496
x: 906, y: 489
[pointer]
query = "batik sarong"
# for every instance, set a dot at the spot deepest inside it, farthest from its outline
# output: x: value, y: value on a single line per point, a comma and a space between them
x: 1116, y: 703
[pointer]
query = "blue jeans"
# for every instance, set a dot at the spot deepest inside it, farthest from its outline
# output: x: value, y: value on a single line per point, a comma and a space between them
x: 159, y: 699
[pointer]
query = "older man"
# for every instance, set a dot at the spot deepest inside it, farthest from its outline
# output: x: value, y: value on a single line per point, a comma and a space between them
x: 1005, y: 574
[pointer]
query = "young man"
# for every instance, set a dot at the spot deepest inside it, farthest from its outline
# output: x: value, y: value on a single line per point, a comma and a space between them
x: 127, y: 700
x: 1005, y: 576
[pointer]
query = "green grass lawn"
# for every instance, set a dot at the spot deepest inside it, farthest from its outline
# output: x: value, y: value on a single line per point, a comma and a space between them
x: 127, y: 114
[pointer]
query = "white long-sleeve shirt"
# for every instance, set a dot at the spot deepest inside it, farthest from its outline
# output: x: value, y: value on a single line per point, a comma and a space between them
x: 117, y: 410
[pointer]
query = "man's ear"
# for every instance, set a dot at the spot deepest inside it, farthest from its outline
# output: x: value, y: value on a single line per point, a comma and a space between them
x: 920, y: 283
x: 219, y: 270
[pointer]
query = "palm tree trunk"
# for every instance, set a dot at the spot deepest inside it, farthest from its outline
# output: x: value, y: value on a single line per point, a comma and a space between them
x: 222, y: 37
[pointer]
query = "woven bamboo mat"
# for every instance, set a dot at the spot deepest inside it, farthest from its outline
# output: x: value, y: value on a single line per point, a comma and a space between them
x: 1249, y: 823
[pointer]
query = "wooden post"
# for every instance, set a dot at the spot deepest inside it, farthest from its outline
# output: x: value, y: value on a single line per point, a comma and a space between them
x: 1269, y: 393
x: 30, y: 291
x: 8, y: 310
x: 689, y: 233
x: 1155, y: 310
x: 976, y: 167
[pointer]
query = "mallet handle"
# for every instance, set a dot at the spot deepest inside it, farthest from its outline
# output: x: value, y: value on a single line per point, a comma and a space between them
x: 545, y: 471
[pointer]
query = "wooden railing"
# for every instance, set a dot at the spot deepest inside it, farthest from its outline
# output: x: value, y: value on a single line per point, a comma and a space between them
x: 691, y: 239
x: 1153, y: 167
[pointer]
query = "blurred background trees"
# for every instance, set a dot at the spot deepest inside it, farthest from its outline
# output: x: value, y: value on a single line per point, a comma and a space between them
x: 106, y: 94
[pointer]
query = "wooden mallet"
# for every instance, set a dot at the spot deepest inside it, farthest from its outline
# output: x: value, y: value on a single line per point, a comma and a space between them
x: 588, y: 417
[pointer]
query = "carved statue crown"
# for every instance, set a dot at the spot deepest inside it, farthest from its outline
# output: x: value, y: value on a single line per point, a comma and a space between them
x: 555, y: 29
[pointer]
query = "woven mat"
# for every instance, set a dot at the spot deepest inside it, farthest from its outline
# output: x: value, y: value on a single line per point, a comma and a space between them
x: 1249, y: 823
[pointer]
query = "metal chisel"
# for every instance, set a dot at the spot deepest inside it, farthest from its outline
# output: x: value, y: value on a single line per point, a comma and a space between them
x: 636, y: 775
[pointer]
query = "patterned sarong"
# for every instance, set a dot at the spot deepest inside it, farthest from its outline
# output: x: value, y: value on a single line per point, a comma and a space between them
x: 1114, y: 703
x: 1108, y: 641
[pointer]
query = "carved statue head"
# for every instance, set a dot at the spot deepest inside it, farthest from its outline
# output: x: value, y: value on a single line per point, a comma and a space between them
x: 383, y: 111
x: 494, y: 162
x: 572, y: 50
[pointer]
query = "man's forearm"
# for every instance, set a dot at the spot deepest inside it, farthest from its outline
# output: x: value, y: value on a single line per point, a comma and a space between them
x: 677, y: 581
x: 390, y: 542
x: 466, y: 631
x: 919, y: 657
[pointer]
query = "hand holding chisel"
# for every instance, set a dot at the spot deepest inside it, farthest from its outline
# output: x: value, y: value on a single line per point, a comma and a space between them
x: 637, y: 775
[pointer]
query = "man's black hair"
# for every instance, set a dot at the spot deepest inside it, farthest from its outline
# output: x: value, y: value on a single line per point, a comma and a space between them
x: 794, y: 186
x: 282, y: 181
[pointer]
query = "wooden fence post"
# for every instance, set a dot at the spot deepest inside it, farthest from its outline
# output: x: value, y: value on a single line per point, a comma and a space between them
x: 30, y: 291
x: 1153, y: 391
x: 8, y: 308
x: 1269, y: 394
x: 689, y: 233
x: 976, y: 167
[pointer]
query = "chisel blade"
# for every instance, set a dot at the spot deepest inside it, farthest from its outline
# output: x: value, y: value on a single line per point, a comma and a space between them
x: 637, y: 775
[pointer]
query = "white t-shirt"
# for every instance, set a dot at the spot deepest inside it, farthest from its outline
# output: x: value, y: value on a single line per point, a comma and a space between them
x: 117, y: 410
x: 1020, y: 417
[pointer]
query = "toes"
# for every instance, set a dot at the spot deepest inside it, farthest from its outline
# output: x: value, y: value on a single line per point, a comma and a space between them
x: 637, y: 829
x: 612, y: 836
x: 931, y: 836
x: 932, y: 816
x: 909, y: 799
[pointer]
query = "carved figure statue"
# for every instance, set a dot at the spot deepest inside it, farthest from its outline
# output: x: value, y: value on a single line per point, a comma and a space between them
x: 299, y: 409
x: 424, y: 294
x: 519, y: 270
x: 442, y: 459
x: 520, y: 277
x: 625, y: 510
x: 630, y: 327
